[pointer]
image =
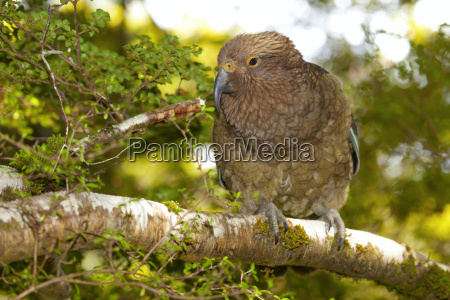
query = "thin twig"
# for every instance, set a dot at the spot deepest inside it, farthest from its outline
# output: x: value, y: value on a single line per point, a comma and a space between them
x: 44, y: 53
x: 111, y: 158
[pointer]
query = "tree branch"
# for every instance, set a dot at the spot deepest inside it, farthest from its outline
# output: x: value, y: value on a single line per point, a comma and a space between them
x: 10, y: 180
x: 139, y: 123
x: 240, y: 237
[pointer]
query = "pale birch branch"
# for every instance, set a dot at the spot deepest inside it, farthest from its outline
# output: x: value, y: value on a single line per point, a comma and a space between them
x: 10, y: 180
x: 237, y: 236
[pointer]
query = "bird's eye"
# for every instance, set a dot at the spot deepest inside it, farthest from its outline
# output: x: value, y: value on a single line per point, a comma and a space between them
x: 253, y: 61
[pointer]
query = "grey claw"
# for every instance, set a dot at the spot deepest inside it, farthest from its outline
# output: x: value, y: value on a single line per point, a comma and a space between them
x: 328, y: 223
x: 341, y: 241
x: 274, y: 216
x: 329, y: 226
x: 331, y: 217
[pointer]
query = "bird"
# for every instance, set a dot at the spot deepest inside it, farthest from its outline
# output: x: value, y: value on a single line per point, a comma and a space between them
x: 265, y: 94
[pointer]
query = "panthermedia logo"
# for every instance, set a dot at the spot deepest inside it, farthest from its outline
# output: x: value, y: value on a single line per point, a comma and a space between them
x: 239, y: 150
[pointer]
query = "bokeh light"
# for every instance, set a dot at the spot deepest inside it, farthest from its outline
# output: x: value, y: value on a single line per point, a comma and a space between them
x: 432, y: 13
x: 392, y: 47
x: 307, y: 26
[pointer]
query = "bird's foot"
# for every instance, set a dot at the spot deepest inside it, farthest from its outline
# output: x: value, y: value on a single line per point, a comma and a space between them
x: 274, y: 215
x: 331, y: 217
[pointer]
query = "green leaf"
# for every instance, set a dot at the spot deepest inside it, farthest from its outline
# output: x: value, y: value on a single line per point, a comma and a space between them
x: 42, y: 218
x: 66, y: 25
x: 43, y: 75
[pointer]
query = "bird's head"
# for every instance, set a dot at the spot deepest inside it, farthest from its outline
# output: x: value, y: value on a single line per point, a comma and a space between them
x: 251, y: 61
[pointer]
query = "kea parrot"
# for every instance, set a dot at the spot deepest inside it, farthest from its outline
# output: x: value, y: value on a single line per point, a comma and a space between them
x: 267, y: 96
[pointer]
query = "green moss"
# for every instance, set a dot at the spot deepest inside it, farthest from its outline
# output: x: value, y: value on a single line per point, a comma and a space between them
x: 261, y: 227
x: 363, y: 249
x: 368, y: 255
x: 437, y: 281
x: 330, y: 239
x: 408, y: 248
x: 172, y: 206
x: 295, y: 237
x: 128, y: 216
x: 346, y: 242
x: 409, y: 266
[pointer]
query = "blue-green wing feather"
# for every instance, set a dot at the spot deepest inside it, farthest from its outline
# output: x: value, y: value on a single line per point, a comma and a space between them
x: 354, y: 146
x: 221, y: 180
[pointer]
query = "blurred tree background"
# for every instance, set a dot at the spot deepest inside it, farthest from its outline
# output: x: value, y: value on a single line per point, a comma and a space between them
x: 393, y: 57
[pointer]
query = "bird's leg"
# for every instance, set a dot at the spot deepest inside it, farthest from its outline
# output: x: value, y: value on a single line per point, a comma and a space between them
x: 274, y: 215
x: 331, y: 217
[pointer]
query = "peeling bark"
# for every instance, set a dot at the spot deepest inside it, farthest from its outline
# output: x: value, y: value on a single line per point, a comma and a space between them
x: 240, y: 237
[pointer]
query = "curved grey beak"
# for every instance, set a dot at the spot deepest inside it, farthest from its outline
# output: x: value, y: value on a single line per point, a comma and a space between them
x: 220, y: 85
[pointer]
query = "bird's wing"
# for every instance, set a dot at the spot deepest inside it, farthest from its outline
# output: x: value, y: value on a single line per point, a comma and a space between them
x: 315, y: 73
x: 221, y: 179
x: 354, y: 146
x: 318, y: 72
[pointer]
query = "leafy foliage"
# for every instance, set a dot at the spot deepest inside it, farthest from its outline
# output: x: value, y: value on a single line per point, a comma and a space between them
x: 94, y: 86
x: 405, y: 144
x: 40, y: 161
